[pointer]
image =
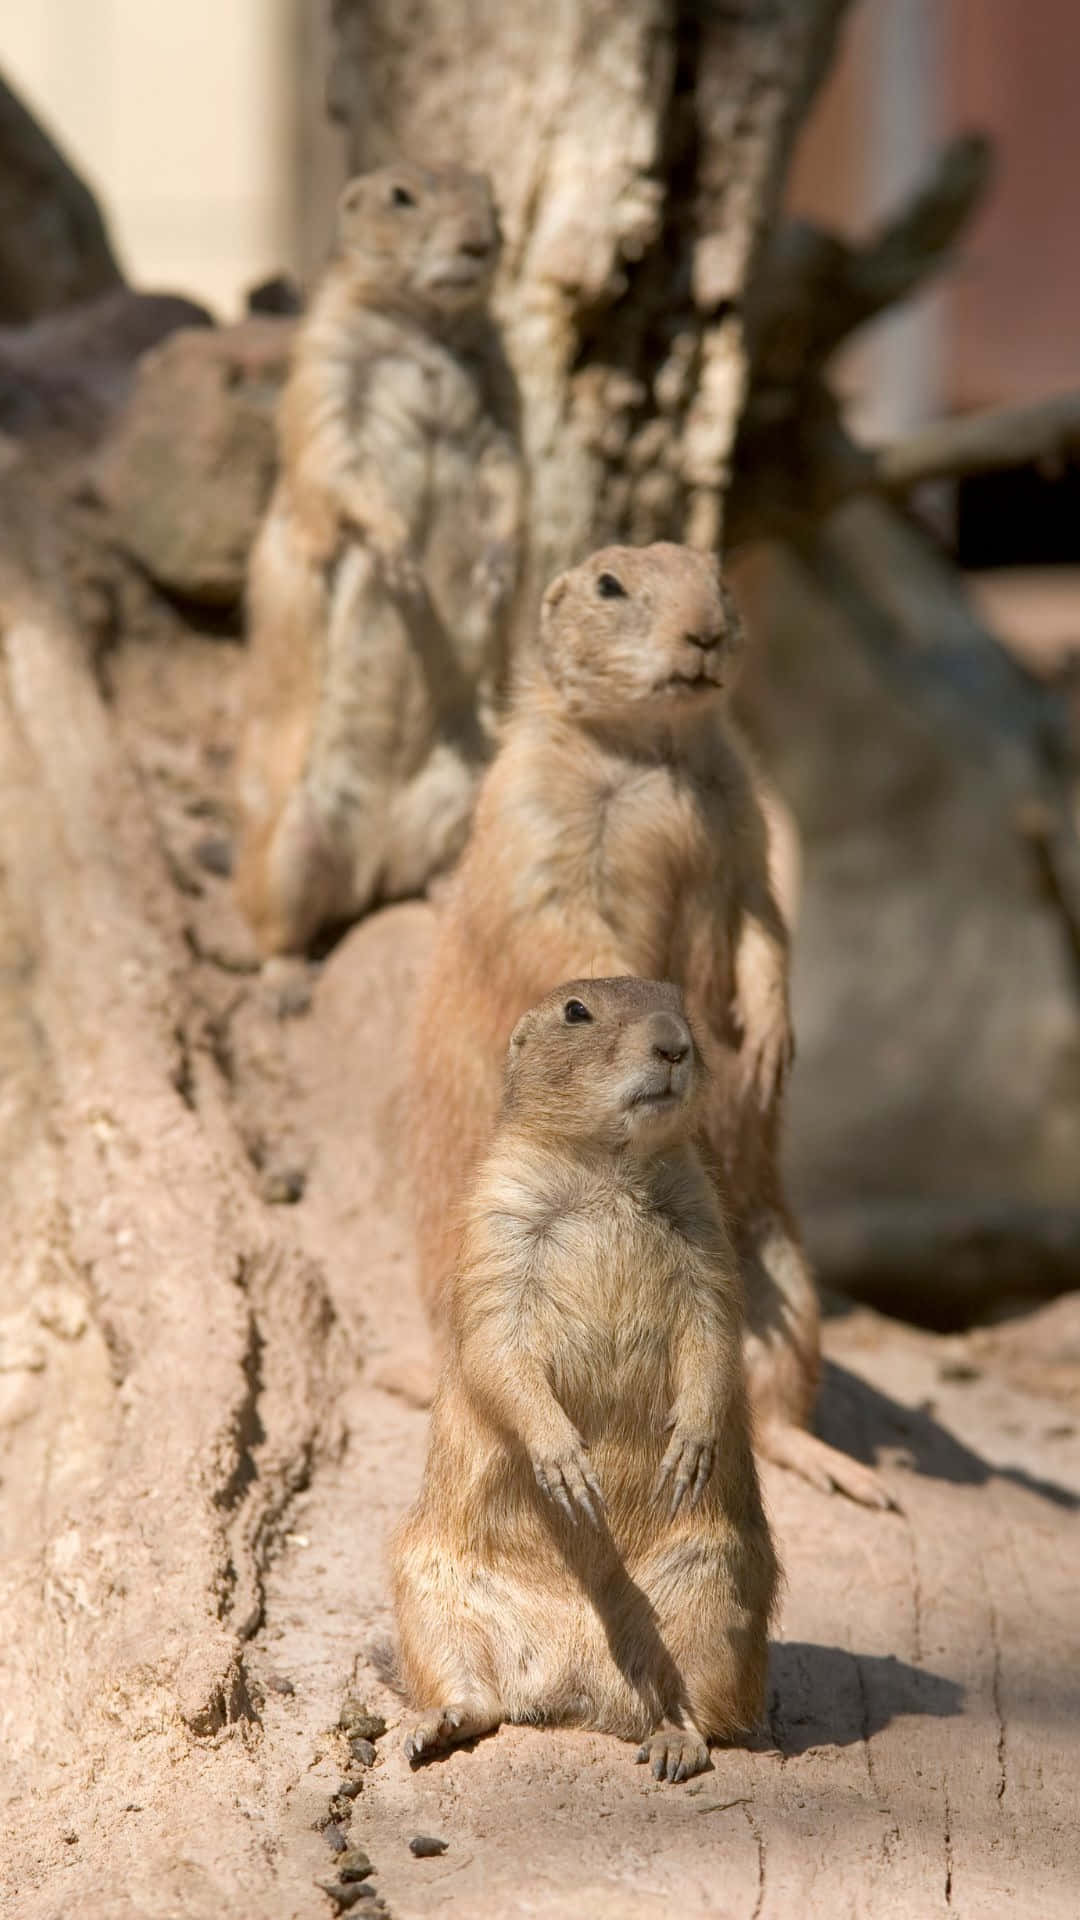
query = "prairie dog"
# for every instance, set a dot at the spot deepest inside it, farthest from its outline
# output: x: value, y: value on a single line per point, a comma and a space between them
x: 620, y: 830
x: 589, y: 1545
x: 381, y: 580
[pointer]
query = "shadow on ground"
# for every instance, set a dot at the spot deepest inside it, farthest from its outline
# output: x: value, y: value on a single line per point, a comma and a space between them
x: 827, y: 1697
x: 859, y: 1418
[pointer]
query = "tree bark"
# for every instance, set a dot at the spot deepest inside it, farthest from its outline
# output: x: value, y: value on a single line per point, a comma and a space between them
x: 637, y: 149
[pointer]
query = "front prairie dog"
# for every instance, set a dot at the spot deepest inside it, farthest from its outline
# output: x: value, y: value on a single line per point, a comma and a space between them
x: 589, y: 1545
x: 381, y: 580
x: 620, y: 830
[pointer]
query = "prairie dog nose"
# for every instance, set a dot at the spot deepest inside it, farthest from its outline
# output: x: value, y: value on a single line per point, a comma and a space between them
x: 670, y: 1037
x: 476, y: 238
x: 703, y: 623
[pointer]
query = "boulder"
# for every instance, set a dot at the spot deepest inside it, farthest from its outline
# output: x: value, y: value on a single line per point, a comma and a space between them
x: 188, y: 469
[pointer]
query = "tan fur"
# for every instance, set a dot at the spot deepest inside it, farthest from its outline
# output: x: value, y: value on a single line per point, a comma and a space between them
x: 382, y: 577
x: 621, y: 830
x: 589, y: 1545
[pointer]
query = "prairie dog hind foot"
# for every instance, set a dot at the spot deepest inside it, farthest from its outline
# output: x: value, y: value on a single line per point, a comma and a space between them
x: 445, y: 1727
x: 411, y: 1380
x: 823, y: 1466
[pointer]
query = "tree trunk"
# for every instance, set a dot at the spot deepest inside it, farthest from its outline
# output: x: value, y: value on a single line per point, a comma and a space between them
x: 637, y: 149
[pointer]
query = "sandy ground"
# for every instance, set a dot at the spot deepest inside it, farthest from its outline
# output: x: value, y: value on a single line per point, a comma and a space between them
x: 922, y: 1739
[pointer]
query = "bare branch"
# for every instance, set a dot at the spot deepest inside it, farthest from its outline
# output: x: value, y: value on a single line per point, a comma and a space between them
x: 814, y: 288
x: 982, y: 443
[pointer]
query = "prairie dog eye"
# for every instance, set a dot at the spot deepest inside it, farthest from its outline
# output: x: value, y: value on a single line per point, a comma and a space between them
x: 575, y: 1013
x: 401, y: 197
x: 610, y: 587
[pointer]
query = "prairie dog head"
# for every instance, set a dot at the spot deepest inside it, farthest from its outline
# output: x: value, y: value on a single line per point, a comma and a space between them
x: 604, y: 1063
x: 421, y: 238
x: 649, y: 632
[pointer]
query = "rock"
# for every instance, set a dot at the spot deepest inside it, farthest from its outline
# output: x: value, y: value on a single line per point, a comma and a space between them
x: 334, y: 1838
x: 347, y: 1894
x: 68, y: 375
x: 354, y: 1864
x: 283, y: 1187
x: 215, y: 854
x: 188, y: 468
x: 425, y: 1846
x: 358, y: 1722
x: 348, y: 1789
x: 363, y: 1751
x: 279, y: 294
x: 279, y: 1683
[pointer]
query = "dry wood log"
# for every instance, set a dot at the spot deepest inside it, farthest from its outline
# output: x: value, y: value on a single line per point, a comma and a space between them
x: 909, y: 606
x: 934, y: 996
x: 145, y: 1295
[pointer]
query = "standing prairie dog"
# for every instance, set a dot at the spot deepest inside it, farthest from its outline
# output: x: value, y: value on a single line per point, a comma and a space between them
x: 381, y: 580
x: 589, y: 1545
x: 620, y: 830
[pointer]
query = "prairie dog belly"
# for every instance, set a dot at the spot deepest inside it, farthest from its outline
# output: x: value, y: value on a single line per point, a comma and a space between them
x: 615, y: 1382
x: 469, y: 564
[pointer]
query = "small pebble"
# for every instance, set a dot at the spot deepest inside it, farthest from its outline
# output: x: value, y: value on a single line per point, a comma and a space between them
x: 358, y: 1722
x: 279, y: 1683
x: 425, y: 1845
x: 363, y: 1751
x: 354, y: 1864
x: 283, y: 1187
x: 334, y: 1837
x: 348, y: 1789
x: 214, y: 854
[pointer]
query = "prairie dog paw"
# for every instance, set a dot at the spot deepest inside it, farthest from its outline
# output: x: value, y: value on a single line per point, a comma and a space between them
x: 674, y: 1754
x: 565, y: 1476
x: 686, y: 1466
x: 433, y: 1734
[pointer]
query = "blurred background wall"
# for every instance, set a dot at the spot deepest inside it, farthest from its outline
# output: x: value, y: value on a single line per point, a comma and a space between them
x: 195, y: 123
x: 911, y: 73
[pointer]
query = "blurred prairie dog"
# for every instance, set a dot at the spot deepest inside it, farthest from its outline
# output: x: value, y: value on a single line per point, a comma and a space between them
x: 589, y: 1546
x: 621, y: 830
x: 382, y: 577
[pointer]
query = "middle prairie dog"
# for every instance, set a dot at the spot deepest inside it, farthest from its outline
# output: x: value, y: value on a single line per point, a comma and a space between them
x: 589, y: 1546
x: 382, y: 578
x: 621, y: 830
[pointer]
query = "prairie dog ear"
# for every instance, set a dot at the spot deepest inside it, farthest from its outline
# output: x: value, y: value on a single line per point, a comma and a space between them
x: 551, y: 598
x: 519, y: 1037
x: 352, y: 195
x: 512, y: 1062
